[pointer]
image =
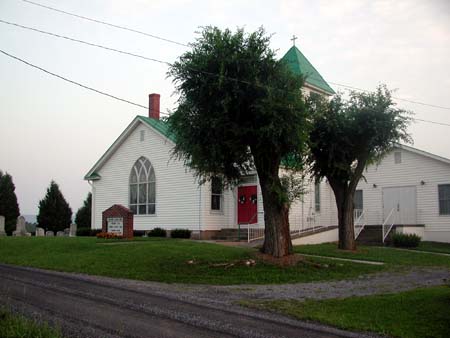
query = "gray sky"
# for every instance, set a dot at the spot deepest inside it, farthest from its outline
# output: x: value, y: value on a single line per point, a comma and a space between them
x: 50, y: 129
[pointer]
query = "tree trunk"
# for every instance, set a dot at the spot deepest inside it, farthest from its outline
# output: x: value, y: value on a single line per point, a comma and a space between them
x: 344, y: 203
x: 277, y: 240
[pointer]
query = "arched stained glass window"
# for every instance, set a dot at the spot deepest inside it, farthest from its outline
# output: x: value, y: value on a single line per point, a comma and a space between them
x: 142, y: 188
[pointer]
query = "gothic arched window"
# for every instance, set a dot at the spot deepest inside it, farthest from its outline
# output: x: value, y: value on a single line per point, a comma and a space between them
x: 142, y: 188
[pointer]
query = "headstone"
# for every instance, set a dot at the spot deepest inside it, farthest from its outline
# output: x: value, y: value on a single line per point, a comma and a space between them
x: 21, y: 228
x: 49, y: 233
x: 66, y: 231
x: 73, y: 230
x: 40, y: 232
x: 60, y: 234
x: 2, y: 226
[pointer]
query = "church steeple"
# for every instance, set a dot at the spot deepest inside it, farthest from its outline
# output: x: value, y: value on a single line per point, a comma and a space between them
x: 300, y: 65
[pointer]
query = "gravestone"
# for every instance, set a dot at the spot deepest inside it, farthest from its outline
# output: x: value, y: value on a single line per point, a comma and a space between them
x: 21, y: 228
x: 49, y: 233
x: 60, y: 234
x: 2, y: 226
x: 73, y: 230
x: 40, y: 232
x: 66, y: 231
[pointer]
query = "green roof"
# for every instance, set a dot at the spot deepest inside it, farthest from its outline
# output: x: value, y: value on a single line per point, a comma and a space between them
x: 300, y: 65
x: 159, y: 125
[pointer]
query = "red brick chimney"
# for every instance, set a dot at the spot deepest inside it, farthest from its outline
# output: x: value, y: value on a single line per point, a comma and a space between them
x: 153, y: 106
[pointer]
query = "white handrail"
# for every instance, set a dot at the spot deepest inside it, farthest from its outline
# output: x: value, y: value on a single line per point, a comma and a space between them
x: 385, y: 234
x: 361, y: 213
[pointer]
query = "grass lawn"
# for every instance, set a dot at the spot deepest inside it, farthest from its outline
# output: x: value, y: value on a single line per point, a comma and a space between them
x: 434, y: 247
x: 16, y: 326
x: 419, y: 313
x: 166, y: 260
x: 390, y: 256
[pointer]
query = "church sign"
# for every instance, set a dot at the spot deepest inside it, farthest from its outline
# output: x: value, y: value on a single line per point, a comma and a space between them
x: 118, y: 220
x: 115, y: 225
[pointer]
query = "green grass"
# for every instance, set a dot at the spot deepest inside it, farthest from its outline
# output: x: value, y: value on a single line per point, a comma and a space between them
x: 165, y: 260
x: 17, y: 326
x: 419, y: 313
x: 434, y: 247
x: 390, y: 256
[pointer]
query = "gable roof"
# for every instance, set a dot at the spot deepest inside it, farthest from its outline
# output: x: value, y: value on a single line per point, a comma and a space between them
x: 423, y: 153
x: 160, y: 126
x: 300, y: 65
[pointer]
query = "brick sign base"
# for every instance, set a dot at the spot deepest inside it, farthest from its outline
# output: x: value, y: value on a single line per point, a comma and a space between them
x: 118, y: 219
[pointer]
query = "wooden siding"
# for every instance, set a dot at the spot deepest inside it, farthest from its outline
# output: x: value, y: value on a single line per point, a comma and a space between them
x: 177, y: 192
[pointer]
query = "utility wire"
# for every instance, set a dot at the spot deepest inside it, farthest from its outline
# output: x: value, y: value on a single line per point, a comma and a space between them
x: 74, y: 82
x: 177, y: 43
x: 106, y: 23
x: 128, y: 101
x: 85, y: 42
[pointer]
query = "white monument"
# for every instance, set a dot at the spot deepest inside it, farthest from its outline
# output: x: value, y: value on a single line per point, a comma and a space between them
x: 40, y: 232
x: 73, y: 230
x: 21, y: 230
x: 2, y: 226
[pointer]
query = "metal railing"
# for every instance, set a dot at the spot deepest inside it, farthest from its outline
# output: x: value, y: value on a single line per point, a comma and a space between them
x: 387, y: 226
x: 359, y: 221
x: 254, y: 231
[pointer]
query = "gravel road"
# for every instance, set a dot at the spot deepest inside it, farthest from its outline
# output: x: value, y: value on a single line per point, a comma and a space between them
x: 90, y: 306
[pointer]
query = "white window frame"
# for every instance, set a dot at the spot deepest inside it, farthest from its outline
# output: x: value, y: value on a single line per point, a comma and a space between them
x: 150, y: 179
x: 213, y: 194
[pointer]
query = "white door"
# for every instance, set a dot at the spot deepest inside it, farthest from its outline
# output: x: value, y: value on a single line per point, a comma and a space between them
x: 402, y: 202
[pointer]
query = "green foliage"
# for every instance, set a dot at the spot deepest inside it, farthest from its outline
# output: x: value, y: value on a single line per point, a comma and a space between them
x: 54, y: 212
x: 157, y: 232
x: 8, y: 202
x: 294, y: 185
x: 406, y: 240
x: 87, y: 231
x: 412, y: 314
x: 17, y: 326
x: 167, y: 260
x: 348, y: 134
x: 180, y: 233
x: 238, y: 107
x: 83, y: 216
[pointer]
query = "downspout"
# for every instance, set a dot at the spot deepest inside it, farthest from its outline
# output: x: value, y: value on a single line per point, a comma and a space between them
x: 92, y: 201
x: 199, y: 212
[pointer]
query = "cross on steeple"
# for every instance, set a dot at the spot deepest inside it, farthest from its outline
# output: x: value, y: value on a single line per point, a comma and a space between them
x: 293, y: 39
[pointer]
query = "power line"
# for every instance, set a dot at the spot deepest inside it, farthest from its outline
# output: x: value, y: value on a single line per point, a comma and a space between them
x: 133, y: 103
x: 74, y: 82
x: 85, y: 42
x: 106, y: 23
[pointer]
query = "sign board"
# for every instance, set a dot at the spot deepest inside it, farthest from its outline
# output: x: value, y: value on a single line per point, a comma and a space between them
x: 115, y: 225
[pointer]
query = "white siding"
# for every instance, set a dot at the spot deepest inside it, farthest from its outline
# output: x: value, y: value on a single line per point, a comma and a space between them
x: 413, y: 169
x: 177, y: 193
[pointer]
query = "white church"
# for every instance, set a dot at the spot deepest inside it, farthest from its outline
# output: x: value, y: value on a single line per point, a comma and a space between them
x: 409, y: 191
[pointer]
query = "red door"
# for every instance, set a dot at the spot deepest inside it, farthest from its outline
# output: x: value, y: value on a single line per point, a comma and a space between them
x: 247, y: 205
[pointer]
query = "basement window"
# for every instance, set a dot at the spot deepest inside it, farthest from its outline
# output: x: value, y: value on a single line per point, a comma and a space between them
x: 398, y: 157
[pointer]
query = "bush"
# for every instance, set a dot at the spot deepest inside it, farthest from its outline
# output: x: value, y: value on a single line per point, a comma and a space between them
x: 83, y: 231
x: 108, y: 235
x: 157, y: 232
x: 88, y: 232
x: 139, y: 233
x: 180, y: 233
x: 406, y: 240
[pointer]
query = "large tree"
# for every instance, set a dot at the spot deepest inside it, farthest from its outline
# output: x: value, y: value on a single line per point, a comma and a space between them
x: 54, y: 212
x: 8, y: 202
x: 239, y: 110
x: 83, y: 216
x: 346, y: 136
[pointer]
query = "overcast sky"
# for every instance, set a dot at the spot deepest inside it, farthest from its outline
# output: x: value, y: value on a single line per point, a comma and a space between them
x: 50, y: 129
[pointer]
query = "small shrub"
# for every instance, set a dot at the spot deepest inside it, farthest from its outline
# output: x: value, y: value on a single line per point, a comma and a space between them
x: 157, y: 232
x: 94, y: 232
x: 406, y: 240
x: 83, y: 231
x: 108, y: 235
x: 138, y: 233
x: 180, y: 233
